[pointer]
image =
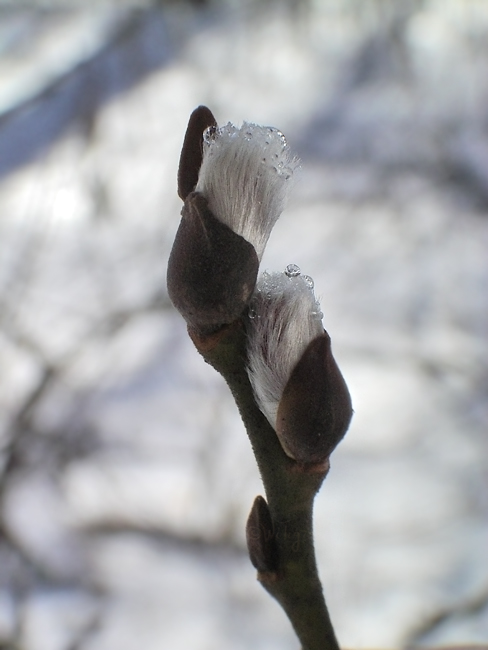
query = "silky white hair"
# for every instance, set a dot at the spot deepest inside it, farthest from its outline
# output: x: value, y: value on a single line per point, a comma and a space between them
x: 245, y: 176
x: 284, y: 318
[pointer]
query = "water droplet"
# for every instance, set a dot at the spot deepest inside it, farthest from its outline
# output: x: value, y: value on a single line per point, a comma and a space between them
x: 210, y: 134
x: 308, y: 281
x: 292, y: 271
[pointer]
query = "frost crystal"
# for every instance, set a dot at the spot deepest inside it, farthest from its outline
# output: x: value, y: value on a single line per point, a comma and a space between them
x: 286, y: 318
x: 245, y: 177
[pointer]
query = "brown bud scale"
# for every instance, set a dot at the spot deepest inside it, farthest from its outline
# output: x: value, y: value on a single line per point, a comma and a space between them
x: 211, y: 270
x: 315, y: 410
x: 192, y: 150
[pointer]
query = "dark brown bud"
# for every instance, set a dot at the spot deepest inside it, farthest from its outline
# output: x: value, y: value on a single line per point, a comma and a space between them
x: 192, y: 150
x: 261, y: 541
x: 315, y: 409
x: 211, y: 270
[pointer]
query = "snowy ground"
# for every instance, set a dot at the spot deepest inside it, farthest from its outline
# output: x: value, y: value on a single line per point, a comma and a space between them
x: 127, y: 476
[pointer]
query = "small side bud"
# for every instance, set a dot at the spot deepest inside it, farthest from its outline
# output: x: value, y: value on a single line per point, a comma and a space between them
x: 192, y: 150
x: 261, y: 541
x: 211, y: 270
x: 315, y: 409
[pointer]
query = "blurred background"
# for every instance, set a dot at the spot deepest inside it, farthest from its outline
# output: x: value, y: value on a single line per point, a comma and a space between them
x: 125, y: 473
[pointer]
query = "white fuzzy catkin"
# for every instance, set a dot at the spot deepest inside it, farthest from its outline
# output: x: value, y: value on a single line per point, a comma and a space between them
x: 284, y: 318
x: 245, y: 176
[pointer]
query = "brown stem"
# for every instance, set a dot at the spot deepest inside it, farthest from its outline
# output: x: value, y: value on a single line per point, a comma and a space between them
x: 290, y: 491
